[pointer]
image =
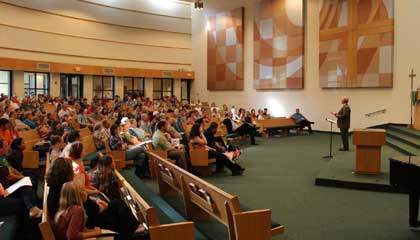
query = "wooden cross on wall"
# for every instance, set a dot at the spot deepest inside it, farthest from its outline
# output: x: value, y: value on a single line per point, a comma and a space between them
x: 412, y: 76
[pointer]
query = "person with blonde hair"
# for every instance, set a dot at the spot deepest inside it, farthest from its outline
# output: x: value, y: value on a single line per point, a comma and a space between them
x: 70, y: 219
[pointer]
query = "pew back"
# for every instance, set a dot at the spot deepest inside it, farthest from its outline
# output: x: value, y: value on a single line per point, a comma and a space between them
x: 203, y: 200
x: 147, y: 214
x: 84, y: 132
x: 45, y: 226
x: 276, y: 122
x: 30, y: 135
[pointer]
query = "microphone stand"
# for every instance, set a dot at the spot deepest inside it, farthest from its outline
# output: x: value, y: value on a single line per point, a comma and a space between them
x: 331, y: 139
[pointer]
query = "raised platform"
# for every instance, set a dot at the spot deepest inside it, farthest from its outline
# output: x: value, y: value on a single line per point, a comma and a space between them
x: 339, y: 173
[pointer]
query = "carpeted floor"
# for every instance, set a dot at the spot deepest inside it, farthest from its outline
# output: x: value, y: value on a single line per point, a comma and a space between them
x: 280, y: 175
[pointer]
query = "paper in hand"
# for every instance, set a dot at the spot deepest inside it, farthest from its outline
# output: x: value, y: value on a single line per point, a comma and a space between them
x: 26, y: 181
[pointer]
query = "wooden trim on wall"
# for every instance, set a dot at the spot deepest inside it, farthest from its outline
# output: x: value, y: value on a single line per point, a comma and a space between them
x: 132, y: 10
x: 91, y: 20
x: 93, y: 57
x: 31, y: 65
x: 91, y: 38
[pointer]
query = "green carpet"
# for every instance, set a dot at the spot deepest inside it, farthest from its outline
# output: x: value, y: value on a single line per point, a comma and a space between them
x: 340, y: 169
x: 280, y: 175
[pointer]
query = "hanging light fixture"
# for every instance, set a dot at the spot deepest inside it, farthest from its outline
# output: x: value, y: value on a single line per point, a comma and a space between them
x: 198, y: 5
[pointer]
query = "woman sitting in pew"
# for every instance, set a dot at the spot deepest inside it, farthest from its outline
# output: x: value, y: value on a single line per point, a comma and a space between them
x: 60, y: 172
x: 70, y: 219
x: 80, y: 174
x: 15, y: 159
x: 8, y: 176
x: 57, y: 145
x: 198, y: 140
x: 219, y: 144
x: 15, y: 206
x: 104, y: 179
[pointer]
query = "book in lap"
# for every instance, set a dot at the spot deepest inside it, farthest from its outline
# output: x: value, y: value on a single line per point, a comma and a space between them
x: 24, y: 182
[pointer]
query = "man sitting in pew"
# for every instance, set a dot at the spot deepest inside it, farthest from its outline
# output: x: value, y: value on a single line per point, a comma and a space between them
x: 301, y: 120
x: 161, y: 141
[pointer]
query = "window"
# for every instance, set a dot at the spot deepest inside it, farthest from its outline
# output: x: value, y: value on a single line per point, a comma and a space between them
x: 133, y: 86
x: 6, y: 82
x: 185, y: 89
x: 103, y: 87
x: 162, y: 87
x: 71, y: 85
x: 36, y: 83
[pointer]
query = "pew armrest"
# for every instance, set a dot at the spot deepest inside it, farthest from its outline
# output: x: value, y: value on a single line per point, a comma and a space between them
x: 277, y: 230
x: 119, y: 158
x: 254, y: 224
x: 175, y: 231
x: 199, y: 157
x: 30, y: 159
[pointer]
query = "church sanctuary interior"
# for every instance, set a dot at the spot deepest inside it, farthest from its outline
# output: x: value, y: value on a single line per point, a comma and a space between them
x: 209, y: 119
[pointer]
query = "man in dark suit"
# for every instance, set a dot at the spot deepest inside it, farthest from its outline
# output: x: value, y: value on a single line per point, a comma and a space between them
x: 343, y: 123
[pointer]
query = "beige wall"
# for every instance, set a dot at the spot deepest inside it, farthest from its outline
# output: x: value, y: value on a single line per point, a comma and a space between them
x: 73, y: 31
x: 315, y: 103
x: 17, y: 85
x: 177, y: 88
x: 119, y: 86
x: 148, y: 91
x: 88, y: 87
x: 142, y: 34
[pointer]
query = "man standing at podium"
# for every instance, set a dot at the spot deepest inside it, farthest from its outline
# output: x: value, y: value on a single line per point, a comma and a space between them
x: 343, y: 123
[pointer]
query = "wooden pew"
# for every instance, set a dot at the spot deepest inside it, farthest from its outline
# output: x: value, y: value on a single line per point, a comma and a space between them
x: 268, y: 126
x: 202, y: 200
x: 30, y: 157
x: 45, y: 226
x: 89, y: 147
x: 49, y: 107
x: 84, y: 132
x: 199, y: 159
x: 144, y: 213
x: 30, y: 135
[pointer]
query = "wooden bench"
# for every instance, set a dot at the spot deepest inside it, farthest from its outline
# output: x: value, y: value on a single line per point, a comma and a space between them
x: 49, y: 108
x: 89, y: 147
x: 144, y: 213
x: 31, y: 159
x: 84, y: 132
x: 45, y: 226
x: 270, y: 126
x: 202, y: 200
x: 200, y: 161
x: 29, y: 135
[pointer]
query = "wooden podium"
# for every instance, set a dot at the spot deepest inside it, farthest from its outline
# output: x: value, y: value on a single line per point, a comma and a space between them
x: 368, y: 150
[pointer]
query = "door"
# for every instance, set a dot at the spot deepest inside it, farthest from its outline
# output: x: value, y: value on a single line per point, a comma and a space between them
x: 71, y: 86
